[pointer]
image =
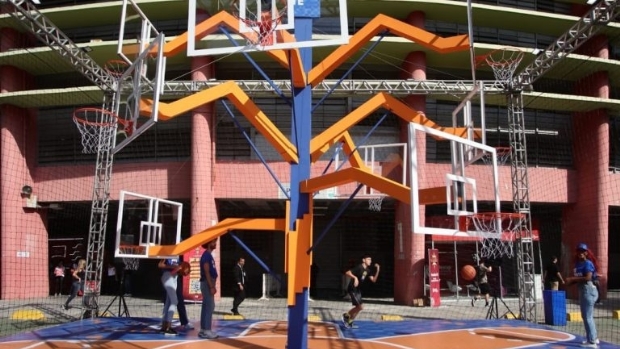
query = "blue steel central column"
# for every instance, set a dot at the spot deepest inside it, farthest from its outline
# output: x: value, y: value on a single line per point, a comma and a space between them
x: 301, y: 129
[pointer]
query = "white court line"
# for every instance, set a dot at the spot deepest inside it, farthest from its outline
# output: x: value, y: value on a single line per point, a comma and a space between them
x: 570, y: 337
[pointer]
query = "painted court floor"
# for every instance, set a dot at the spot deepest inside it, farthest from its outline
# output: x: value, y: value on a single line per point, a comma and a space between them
x: 142, y: 333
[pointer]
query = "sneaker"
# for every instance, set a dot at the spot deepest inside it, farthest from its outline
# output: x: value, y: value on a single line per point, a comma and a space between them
x: 208, y: 334
x: 64, y: 307
x: 589, y: 345
x: 596, y: 341
x: 168, y: 332
x: 187, y: 327
x: 345, y: 319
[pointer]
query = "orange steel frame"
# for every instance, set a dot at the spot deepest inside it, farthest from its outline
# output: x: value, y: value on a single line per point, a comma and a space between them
x: 299, y: 241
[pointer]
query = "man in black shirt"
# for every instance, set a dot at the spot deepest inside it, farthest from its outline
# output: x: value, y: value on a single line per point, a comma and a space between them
x: 239, y: 288
x: 358, y: 274
x: 552, y: 276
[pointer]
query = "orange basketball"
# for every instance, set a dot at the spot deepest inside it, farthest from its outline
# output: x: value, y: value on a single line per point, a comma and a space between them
x: 185, y: 269
x: 468, y: 272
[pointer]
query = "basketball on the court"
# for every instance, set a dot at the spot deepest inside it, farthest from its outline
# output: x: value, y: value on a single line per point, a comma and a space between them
x: 468, y: 272
x: 185, y: 269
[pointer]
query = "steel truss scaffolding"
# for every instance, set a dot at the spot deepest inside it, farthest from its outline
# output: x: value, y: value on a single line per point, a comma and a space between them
x: 601, y: 13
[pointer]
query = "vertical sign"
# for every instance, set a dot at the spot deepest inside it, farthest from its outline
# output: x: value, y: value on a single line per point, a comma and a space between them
x: 433, y: 276
x: 191, y: 283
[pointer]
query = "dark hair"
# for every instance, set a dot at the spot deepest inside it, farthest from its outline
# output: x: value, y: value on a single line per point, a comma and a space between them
x: 366, y: 255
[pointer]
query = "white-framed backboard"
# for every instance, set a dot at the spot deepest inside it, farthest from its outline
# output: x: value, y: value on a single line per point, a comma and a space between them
x: 255, y: 21
x: 145, y: 221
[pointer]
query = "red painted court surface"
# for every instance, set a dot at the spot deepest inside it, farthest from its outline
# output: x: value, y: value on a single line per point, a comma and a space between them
x: 142, y: 333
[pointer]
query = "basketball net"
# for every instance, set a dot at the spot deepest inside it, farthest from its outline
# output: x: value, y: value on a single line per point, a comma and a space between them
x: 503, y: 155
x: 131, y: 263
x: 504, y: 62
x: 97, y: 127
x: 497, y: 232
x: 374, y: 204
x: 263, y: 28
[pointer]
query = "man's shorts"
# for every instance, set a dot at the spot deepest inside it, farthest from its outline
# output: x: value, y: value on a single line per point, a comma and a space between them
x: 356, y: 296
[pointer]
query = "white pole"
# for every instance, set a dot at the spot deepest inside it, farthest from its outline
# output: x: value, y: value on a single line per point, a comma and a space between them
x: 266, y: 287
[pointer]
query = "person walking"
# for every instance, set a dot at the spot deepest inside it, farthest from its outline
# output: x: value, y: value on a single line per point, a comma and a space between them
x: 552, y: 275
x: 358, y: 275
x: 239, y: 287
x: 208, y: 278
x: 59, y: 278
x: 169, y: 277
x: 483, y: 283
x: 584, y: 275
x: 78, y: 276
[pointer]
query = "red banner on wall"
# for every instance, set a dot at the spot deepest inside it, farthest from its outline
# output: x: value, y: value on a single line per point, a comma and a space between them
x: 191, y: 283
x: 433, y: 276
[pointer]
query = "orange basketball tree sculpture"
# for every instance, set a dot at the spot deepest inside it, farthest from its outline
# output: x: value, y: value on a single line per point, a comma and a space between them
x: 304, y: 150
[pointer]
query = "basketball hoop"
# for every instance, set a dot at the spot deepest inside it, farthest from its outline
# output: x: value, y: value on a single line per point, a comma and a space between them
x: 497, y: 232
x: 503, y: 61
x: 264, y: 31
x: 97, y: 127
x: 374, y: 204
x: 503, y: 155
x: 116, y: 67
x: 131, y: 263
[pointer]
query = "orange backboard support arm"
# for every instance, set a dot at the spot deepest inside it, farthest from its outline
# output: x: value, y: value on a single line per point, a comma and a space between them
x: 376, y: 25
x: 267, y: 224
x: 322, y: 142
x: 244, y: 104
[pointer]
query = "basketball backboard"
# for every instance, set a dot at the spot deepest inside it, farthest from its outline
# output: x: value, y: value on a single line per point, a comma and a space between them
x: 388, y: 160
x: 261, y: 25
x: 136, y: 84
x: 465, y: 183
x: 145, y: 221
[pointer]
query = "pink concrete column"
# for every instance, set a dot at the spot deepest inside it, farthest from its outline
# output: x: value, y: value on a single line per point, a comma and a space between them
x: 409, y: 258
x: 24, y: 239
x: 204, y: 213
x: 587, y: 220
x: 597, y: 46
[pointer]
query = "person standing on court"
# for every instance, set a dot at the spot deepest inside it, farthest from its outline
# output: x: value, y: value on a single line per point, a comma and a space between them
x: 552, y: 275
x: 79, y: 276
x: 239, y: 287
x: 483, y: 283
x: 169, y: 277
x: 183, y: 318
x: 358, y: 275
x: 208, y: 278
x: 584, y: 275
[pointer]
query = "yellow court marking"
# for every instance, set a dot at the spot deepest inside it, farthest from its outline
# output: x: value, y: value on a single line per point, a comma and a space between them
x: 314, y: 318
x: 27, y: 314
x: 391, y: 318
x: 574, y: 317
x: 233, y: 317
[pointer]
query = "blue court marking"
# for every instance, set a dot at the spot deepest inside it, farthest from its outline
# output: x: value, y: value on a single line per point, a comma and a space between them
x: 127, y: 329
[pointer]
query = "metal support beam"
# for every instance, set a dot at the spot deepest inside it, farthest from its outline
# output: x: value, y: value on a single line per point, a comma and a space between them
x: 598, y: 16
x: 31, y: 18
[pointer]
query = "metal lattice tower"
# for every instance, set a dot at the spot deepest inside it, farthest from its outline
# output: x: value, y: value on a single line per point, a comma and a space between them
x: 30, y: 17
x: 598, y: 15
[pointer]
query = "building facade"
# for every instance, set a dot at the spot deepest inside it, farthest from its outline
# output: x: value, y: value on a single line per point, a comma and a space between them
x: 203, y: 160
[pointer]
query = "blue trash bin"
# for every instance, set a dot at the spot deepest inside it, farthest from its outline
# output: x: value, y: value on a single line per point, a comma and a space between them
x: 555, y: 307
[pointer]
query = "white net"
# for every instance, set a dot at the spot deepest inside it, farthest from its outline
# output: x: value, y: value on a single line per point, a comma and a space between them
x: 96, y: 127
x: 504, y: 62
x: 497, y: 232
x: 503, y: 156
x: 374, y: 204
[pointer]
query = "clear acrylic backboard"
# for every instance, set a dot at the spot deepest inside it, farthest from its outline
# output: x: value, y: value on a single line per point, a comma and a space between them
x: 261, y: 25
x: 145, y: 221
